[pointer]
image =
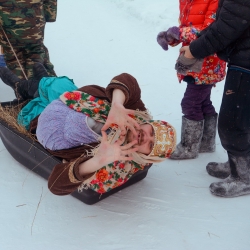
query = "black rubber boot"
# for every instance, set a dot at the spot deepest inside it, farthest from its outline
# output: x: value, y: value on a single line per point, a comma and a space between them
x: 27, y: 89
x: 237, y: 183
x: 191, y: 133
x: 219, y: 170
x: 209, y: 134
x: 39, y: 71
x: 8, y: 77
x: 24, y: 89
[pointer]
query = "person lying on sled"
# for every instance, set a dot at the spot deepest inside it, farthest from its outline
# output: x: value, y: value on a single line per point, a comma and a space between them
x: 104, y: 135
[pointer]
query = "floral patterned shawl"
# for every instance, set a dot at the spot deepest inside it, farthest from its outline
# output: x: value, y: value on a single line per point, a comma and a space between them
x: 115, y: 173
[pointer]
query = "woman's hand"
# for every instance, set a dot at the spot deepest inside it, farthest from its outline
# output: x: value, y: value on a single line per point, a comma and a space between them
x: 108, y: 153
x: 187, y: 52
x: 120, y: 116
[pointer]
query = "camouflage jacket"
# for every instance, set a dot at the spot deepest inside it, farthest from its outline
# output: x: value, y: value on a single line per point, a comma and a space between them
x: 50, y: 7
x: 23, y: 20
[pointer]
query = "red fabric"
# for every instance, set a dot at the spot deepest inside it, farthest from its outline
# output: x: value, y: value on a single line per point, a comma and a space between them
x: 199, y: 14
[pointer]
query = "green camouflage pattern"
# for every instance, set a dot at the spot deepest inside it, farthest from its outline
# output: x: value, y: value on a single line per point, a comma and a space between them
x: 50, y: 8
x: 27, y: 57
x: 24, y: 22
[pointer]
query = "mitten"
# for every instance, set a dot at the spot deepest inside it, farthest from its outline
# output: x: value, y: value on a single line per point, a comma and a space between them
x: 184, y: 64
x: 161, y: 39
x: 172, y: 35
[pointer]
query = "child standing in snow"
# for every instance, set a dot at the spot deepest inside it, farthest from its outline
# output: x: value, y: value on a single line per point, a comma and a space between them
x: 200, y: 118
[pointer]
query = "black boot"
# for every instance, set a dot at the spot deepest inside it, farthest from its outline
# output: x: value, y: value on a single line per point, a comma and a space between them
x: 209, y: 134
x: 191, y: 133
x: 238, y: 183
x: 219, y: 170
x: 8, y: 77
x: 24, y: 89
x: 27, y: 89
x: 39, y: 71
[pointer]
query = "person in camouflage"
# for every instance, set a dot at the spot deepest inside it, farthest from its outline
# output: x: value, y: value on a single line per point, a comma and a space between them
x: 23, y: 22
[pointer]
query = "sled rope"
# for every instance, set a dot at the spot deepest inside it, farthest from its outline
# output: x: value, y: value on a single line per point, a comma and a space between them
x: 14, y: 53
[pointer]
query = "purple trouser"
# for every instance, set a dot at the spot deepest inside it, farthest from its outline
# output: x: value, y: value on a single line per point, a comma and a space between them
x: 196, y: 103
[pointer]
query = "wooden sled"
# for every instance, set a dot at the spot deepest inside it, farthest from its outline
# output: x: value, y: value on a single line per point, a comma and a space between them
x: 33, y: 156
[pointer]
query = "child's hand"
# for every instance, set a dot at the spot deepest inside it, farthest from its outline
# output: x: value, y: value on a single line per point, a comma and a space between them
x: 172, y: 35
x: 186, y: 51
x: 161, y: 39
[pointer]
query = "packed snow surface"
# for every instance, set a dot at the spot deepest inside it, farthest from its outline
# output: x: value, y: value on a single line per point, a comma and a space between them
x: 91, y: 42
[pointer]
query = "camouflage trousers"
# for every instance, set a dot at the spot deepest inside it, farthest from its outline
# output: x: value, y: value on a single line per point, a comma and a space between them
x: 27, y: 56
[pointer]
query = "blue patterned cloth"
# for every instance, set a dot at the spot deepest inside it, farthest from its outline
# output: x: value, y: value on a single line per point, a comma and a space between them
x: 2, y: 62
x: 60, y: 127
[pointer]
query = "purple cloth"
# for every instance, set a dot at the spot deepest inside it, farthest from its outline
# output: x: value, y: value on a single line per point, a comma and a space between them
x: 196, y: 103
x: 60, y: 127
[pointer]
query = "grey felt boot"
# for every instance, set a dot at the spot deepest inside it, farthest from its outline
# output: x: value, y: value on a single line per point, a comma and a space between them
x: 209, y: 134
x: 219, y: 170
x: 191, y: 133
x: 236, y: 184
x: 24, y: 89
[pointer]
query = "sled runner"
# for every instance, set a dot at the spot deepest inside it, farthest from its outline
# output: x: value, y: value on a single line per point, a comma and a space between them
x: 32, y: 155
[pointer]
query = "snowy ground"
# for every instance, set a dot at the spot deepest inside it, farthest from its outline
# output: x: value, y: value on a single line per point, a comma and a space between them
x: 172, y: 208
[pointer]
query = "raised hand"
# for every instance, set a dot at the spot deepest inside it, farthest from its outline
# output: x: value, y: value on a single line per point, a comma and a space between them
x: 108, y: 152
x: 120, y: 116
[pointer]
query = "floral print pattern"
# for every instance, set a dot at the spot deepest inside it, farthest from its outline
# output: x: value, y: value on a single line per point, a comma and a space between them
x: 194, y: 17
x: 213, y: 69
x: 114, y: 174
x: 89, y: 105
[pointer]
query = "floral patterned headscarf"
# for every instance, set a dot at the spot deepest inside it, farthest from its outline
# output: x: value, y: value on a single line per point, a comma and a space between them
x: 117, y: 173
x: 97, y: 109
